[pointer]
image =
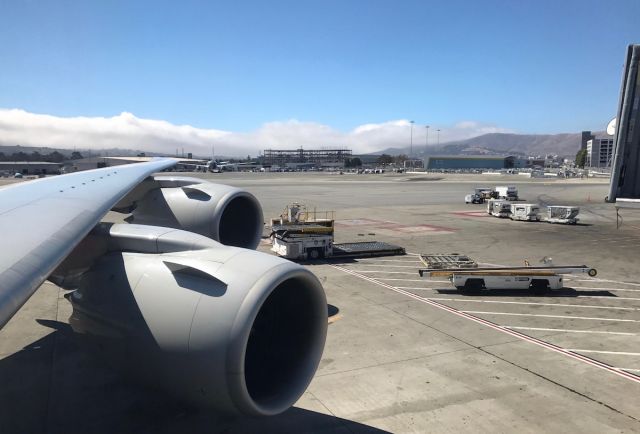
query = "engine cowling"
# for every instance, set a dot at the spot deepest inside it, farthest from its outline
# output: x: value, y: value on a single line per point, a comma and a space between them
x: 227, y: 214
x: 224, y: 327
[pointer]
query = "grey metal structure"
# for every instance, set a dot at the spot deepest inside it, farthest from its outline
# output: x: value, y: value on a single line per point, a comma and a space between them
x: 625, y: 174
x: 166, y: 301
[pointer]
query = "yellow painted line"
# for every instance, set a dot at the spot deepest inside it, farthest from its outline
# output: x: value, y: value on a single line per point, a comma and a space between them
x: 334, y: 318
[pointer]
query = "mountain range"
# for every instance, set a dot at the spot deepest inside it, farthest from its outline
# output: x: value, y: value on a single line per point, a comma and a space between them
x: 500, y: 144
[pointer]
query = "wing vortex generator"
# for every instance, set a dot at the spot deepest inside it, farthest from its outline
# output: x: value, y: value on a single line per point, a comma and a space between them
x: 178, y: 298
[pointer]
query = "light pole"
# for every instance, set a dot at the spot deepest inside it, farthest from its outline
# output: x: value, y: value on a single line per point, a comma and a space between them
x: 438, y: 137
x: 411, y: 147
x: 426, y: 148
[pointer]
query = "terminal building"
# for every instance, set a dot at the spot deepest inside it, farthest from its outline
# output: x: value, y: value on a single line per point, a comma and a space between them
x: 29, y: 168
x: 305, y: 158
x: 465, y: 162
x: 599, y: 152
x: 99, y: 162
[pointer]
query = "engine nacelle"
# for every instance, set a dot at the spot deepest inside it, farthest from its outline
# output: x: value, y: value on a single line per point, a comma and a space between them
x: 224, y: 327
x: 221, y: 212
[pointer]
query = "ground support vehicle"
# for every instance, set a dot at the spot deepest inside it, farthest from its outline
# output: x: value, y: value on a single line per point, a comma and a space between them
x: 296, y: 243
x: 309, y: 246
x: 447, y: 260
x: 301, y: 235
x: 539, y: 279
x: 563, y: 214
x: 486, y: 193
x: 507, y: 192
x: 363, y: 249
x: 525, y: 212
x: 473, y: 198
x: 499, y: 208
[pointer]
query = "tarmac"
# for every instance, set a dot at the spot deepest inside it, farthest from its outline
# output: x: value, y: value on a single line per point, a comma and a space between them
x: 403, y: 354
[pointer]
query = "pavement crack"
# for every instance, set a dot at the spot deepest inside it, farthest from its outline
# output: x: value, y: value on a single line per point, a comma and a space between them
x: 427, y: 356
x: 482, y: 348
x: 570, y: 389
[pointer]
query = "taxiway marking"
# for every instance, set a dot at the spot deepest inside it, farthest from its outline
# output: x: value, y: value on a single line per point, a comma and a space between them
x: 388, y: 272
x: 617, y: 353
x: 586, y: 306
x: 389, y: 266
x: 606, y: 289
x: 511, y: 332
x: 544, y: 329
x: 402, y: 280
x: 604, y: 297
x: 414, y: 280
x: 477, y: 312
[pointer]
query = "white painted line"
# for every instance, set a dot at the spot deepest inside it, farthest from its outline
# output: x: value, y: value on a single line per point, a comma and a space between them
x: 522, y: 336
x: 416, y: 280
x: 401, y: 280
x: 606, y: 280
x: 388, y: 266
x: 604, y: 297
x: 607, y: 297
x: 606, y: 289
x: 569, y: 330
x: 464, y: 300
x: 628, y: 369
x: 419, y: 289
x: 408, y: 260
x: 617, y: 353
x: 386, y: 272
x: 549, y: 316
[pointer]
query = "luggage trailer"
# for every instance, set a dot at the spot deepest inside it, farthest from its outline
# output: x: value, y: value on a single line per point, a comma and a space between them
x: 537, y: 278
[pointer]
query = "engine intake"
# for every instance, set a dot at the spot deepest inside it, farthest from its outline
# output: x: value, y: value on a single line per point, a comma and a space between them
x: 221, y: 212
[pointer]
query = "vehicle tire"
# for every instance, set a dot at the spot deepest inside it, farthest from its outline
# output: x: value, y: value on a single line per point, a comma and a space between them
x: 314, y: 254
x: 472, y: 286
x: 539, y: 286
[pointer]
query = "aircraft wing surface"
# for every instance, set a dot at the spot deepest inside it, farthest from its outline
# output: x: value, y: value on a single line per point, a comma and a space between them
x: 41, y: 221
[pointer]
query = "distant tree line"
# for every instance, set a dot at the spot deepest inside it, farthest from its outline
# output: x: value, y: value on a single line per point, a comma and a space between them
x: 352, y: 162
x: 581, y: 158
x: 52, y: 157
x: 386, y: 159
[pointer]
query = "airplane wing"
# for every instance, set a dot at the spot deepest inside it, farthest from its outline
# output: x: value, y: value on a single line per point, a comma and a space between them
x: 176, y: 296
x: 42, y: 221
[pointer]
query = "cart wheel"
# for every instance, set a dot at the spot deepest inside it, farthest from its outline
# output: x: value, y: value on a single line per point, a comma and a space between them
x: 592, y: 272
x: 472, y: 286
x: 539, y: 286
x: 313, y: 254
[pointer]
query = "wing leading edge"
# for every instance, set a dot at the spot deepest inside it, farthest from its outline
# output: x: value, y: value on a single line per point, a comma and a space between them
x: 43, y: 220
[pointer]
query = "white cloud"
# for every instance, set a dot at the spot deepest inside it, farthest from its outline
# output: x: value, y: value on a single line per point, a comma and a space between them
x: 126, y: 131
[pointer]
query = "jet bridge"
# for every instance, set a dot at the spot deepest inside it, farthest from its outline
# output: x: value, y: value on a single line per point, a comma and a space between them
x: 624, y: 189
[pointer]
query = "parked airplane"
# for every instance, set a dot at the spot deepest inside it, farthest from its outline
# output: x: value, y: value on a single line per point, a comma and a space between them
x: 176, y: 296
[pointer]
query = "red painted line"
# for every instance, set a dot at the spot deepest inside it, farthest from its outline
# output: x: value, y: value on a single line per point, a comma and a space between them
x: 472, y: 214
x: 541, y: 343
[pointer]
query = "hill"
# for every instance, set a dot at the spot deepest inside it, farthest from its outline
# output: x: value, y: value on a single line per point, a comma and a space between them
x: 501, y: 143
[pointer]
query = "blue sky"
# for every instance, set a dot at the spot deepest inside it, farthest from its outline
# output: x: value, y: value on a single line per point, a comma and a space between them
x: 527, y: 66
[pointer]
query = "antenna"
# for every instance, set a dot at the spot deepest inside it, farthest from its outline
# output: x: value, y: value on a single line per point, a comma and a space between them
x: 611, y: 127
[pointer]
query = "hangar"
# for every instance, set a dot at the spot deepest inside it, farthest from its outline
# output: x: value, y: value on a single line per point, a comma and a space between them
x: 471, y: 162
x: 29, y: 167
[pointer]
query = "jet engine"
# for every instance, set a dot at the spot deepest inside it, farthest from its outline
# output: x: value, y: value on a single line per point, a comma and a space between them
x: 221, y: 212
x: 223, y: 327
